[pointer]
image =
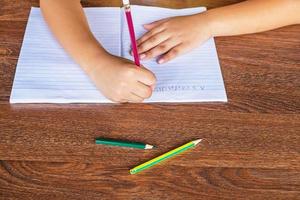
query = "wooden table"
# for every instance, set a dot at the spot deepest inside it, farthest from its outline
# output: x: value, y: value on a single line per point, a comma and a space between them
x: 251, y: 148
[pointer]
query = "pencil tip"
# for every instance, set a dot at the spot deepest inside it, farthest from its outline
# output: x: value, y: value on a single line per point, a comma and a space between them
x: 148, y: 146
x: 197, y: 141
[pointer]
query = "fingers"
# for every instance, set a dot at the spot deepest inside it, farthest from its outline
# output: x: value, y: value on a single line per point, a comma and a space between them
x: 143, y: 90
x: 154, y: 24
x: 159, y: 49
x: 152, y: 42
x: 173, y: 53
x: 139, y: 93
x: 149, y: 34
x: 132, y: 98
x: 139, y: 87
x: 145, y: 76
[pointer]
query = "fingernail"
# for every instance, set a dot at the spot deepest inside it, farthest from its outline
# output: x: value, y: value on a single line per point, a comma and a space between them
x: 161, y: 61
x: 142, y: 56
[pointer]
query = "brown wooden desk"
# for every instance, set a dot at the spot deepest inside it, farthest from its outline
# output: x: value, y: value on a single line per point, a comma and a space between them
x: 252, y: 147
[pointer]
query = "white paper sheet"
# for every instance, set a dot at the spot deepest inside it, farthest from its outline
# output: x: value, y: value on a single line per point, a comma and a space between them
x: 46, y: 74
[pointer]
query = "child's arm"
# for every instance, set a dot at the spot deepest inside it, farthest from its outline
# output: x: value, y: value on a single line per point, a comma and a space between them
x: 118, y: 79
x: 176, y: 36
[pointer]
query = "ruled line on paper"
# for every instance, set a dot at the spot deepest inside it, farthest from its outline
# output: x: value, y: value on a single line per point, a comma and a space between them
x: 47, y: 74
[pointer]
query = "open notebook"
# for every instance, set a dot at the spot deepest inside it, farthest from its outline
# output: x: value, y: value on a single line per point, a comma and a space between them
x: 46, y: 74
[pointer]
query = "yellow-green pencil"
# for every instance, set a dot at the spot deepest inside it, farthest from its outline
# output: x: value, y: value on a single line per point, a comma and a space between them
x: 165, y: 156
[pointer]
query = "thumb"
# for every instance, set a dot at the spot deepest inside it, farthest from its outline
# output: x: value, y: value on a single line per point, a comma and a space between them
x: 146, y: 77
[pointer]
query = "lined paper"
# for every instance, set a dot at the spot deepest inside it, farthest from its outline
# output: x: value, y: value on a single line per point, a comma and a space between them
x: 46, y: 74
x: 193, y: 77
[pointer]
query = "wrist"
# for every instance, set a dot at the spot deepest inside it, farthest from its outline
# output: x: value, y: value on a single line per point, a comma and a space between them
x: 216, y: 22
x: 203, y: 24
x: 210, y: 20
x: 97, y: 57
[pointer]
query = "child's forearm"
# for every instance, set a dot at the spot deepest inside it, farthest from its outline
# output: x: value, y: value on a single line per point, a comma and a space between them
x: 118, y: 79
x: 68, y: 23
x: 253, y: 16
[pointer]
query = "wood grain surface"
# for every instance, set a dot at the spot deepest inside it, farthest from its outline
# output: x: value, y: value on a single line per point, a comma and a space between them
x: 251, y: 147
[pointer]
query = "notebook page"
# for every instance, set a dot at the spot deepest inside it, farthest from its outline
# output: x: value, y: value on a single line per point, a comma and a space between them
x: 194, y: 77
x: 46, y: 74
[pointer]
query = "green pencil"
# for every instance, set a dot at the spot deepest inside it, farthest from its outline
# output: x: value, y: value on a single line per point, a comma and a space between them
x: 121, y: 143
x: 165, y: 156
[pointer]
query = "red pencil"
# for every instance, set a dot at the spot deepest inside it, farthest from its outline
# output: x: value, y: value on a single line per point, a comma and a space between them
x: 126, y: 4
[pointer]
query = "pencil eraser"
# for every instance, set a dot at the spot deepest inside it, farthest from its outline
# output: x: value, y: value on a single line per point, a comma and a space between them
x: 126, y: 2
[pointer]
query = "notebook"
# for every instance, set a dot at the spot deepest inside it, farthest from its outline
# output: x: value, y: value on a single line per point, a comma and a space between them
x: 45, y: 73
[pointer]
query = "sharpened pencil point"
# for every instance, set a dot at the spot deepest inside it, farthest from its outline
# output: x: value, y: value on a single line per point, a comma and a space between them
x: 148, y: 146
x: 164, y: 156
x: 197, y: 141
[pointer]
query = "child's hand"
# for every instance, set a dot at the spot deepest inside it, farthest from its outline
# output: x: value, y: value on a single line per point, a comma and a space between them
x: 173, y: 37
x: 122, y: 81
